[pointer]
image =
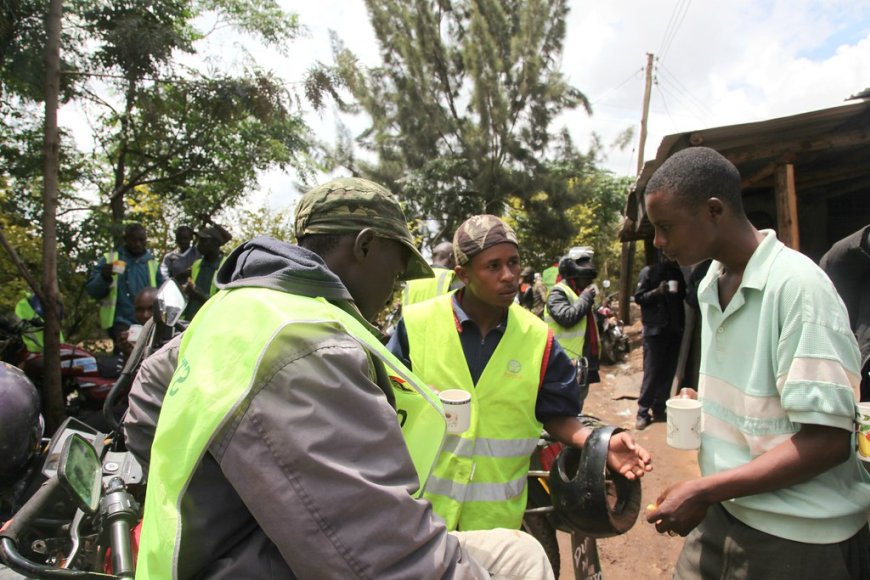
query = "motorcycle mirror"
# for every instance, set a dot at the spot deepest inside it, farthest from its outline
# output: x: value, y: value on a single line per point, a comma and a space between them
x: 606, y: 283
x: 81, y: 473
x: 170, y: 303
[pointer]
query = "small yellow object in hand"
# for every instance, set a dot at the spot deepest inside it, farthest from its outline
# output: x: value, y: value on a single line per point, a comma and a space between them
x: 651, y: 507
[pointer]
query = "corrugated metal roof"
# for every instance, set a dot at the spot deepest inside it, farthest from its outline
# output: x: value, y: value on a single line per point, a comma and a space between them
x: 829, y: 148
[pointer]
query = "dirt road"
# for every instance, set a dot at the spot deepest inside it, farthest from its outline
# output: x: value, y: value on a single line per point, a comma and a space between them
x: 640, y: 553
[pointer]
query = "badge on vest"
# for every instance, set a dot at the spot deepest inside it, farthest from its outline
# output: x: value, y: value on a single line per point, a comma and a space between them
x: 514, y: 366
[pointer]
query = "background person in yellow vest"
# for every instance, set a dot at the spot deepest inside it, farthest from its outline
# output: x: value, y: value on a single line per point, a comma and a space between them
x: 307, y: 475
x: 519, y: 377
x: 116, y: 279
x: 570, y: 313
x: 201, y: 284
x: 444, y: 280
x: 30, y: 309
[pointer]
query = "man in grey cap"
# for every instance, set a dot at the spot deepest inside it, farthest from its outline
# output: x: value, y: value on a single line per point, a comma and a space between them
x: 202, y: 283
x: 290, y: 443
x: 519, y: 378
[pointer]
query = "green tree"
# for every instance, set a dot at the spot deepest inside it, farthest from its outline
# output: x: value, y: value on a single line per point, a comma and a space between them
x: 462, y: 105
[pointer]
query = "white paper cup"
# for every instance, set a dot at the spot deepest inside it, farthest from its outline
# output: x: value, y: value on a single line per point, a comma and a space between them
x: 684, y: 423
x: 673, y: 286
x: 457, y: 409
x: 118, y: 267
x: 863, y: 431
x: 133, y: 332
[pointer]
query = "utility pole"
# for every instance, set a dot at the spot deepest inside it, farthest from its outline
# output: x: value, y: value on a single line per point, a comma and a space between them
x: 628, y: 248
x: 645, y: 115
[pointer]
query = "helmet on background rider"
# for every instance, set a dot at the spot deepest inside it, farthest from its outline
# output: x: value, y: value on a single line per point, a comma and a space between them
x: 577, y: 264
x: 21, y: 423
x: 587, y: 497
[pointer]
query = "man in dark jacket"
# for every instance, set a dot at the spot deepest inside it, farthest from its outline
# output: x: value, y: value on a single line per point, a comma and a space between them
x: 660, y: 292
x: 847, y: 263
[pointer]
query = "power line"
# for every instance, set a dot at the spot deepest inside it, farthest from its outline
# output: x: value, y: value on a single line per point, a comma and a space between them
x: 694, y: 112
x: 664, y: 104
x: 670, y: 77
x: 619, y: 86
x: 677, y: 17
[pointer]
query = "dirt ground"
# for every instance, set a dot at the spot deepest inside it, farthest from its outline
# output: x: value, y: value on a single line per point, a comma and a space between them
x: 641, y: 552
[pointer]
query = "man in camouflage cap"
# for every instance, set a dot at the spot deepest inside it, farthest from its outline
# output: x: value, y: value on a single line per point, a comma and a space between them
x: 278, y: 450
x: 351, y: 204
x: 519, y: 378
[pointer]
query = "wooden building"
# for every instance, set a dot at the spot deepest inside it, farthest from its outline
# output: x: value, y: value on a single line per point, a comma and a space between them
x: 807, y: 176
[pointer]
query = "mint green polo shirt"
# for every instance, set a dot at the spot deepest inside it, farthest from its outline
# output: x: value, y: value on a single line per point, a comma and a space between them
x: 781, y: 354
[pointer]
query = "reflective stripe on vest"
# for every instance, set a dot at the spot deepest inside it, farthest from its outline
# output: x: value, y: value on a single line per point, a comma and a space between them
x: 480, y: 479
x: 571, y: 339
x: 207, y: 390
x: 194, y: 273
x: 110, y: 301
x: 426, y: 288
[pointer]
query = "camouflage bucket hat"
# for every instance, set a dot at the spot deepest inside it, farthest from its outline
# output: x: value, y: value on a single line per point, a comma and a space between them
x: 478, y: 233
x: 348, y: 205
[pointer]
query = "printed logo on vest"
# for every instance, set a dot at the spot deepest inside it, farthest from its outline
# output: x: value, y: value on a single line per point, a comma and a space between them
x: 180, y: 376
x: 514, y: 366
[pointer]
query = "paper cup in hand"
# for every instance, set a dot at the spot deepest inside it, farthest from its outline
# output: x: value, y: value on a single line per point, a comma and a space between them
x: 118, y: 267
x: 133, y: 332
x: 684, y: 423
x: 863, y: 434
x: 457, y: 409
x: 673, y: 286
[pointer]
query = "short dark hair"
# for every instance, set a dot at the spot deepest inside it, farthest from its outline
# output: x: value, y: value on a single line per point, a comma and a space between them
x: 133, y: 227
x: 187, y: 229
x: 321, y: 244
x: 696, y: 174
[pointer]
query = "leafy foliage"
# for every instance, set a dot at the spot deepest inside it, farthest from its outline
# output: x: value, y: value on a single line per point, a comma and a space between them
x: 461, y: 107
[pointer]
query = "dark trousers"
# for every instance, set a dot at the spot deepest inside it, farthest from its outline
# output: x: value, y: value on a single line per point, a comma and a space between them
x: 660, y: 354
x: 724, y: 548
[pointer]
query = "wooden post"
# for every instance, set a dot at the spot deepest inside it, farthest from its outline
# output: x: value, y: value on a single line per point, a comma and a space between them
x: 625, y: 282
x: 644, y: 116
x: 786, y: 206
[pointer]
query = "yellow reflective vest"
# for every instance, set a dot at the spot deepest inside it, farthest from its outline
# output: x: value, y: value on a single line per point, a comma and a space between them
x: 206, y: 381
x: 479, y: 481
x: 194, y: 274
x: 572, y: 339
x: 108, y: 304
x: 425, y: 288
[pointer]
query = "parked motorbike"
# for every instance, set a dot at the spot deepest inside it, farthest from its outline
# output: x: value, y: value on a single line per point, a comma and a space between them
x: 614, y: 342
x: 85, y: 378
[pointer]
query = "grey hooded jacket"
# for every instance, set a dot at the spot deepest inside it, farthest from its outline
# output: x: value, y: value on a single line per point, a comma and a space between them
x: 314, y: 479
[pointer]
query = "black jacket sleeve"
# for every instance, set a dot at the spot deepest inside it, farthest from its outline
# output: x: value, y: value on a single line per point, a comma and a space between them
x: 565, y: 313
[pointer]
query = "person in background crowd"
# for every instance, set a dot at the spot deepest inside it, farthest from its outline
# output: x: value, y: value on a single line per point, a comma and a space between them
x: 570, y: 314
x: 550, y: 274
x: 31, y: 310
x: 177, y: 262
x: 232, y: 491
x: 116, y: 279
x: 444, y: 281
x: 534, y: 295
x: 782, y: 494
x: 201, y: 284
x: 848, y: 265
x: 661, y: 289
x: 519, y: 378
x: 143, y: 305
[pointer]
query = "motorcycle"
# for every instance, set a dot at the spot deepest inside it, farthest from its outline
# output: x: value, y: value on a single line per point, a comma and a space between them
x: 82, y: 521
x: 614, y: 342
x: 85, y: 378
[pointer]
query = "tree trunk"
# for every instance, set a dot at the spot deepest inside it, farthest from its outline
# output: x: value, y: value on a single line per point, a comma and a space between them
x: 52, y: 391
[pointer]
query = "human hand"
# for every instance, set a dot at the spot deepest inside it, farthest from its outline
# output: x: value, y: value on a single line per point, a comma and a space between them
x: 126, y: 346
x: 687, y: 393
x: 679, y: 509
x: 106, y: 272
x: 662, y: 287
x: 626, y: 457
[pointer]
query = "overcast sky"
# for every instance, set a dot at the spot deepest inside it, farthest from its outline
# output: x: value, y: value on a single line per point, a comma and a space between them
x: 719, y: 62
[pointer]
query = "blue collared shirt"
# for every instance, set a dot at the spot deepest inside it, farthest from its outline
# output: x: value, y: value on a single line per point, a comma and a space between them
x: 558, y: 395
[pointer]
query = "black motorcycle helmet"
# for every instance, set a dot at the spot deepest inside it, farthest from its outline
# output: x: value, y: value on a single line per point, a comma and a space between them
x: 21, y: 423
x: 587, y: 497
x: 577, y: 264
